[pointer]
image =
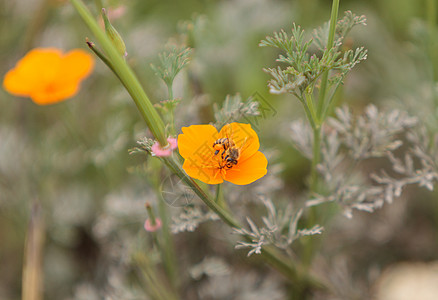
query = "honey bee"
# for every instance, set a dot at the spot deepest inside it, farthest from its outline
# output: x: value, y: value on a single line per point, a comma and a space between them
x: 222, y: 144
x: 230, y: 154
x: 233, y: 155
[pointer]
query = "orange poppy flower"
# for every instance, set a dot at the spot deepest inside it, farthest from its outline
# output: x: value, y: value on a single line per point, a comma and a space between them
x: 231, y: 154
x: 48, y: 76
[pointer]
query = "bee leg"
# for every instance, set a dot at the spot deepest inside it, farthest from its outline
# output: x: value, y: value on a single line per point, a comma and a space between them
x: 222, y: 155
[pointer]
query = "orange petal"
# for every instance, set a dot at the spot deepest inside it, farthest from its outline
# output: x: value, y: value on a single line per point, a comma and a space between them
x: 13, y: 83
x: 244, y: 137
x: 208, y: 175
x: 197, y: 141
x: 248, y: 171
x: 36, y: 68
x: 75, y: 65
x: 53, y: 93
x: 41, y: 63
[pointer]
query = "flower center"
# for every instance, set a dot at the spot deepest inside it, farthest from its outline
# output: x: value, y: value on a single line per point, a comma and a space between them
x: 50, y: 88
x: 226, y: 153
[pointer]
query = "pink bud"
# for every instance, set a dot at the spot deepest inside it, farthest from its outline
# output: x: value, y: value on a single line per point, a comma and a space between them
x: 152, y: 228
x: 165, y: 151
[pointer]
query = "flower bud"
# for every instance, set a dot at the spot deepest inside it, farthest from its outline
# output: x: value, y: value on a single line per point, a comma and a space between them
x: 153, y: 223
x: 114, y: 36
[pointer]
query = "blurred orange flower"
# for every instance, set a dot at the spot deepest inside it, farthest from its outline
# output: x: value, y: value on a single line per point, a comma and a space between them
x: 231, y: 154
x: 48, y: 76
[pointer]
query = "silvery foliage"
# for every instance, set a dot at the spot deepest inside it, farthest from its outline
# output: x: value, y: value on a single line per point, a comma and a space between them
x: 234, y: 109
x: 372, y: 135
x: 190, y: 217
x: 350, y: 141
x: 144, y: 146
x: 210, y: 266
x: 242, y: 285
x: 303, y: 69
x: 343, y: 27
x: 172, y: 61
x: 424, y: 151
x: 280, y: 228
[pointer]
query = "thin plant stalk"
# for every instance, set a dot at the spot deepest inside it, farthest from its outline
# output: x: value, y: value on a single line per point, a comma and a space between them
x: 309, y: 114
x: 330, y: 40
x: 33, y: 255
x: 125, y: 74
x: 321, y: 100
x: 315, y: 158
x: 218, y: 193
x: 170, y: 92
x: 309, y: 245
x: 102, y: 57
x: 219, y: 199
x: 309, y: 101
x: 168, y: 247
x: 155, y: 287
x: 171, y: 112
x: 164, y: 240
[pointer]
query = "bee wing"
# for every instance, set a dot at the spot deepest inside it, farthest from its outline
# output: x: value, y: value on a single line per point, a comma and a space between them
x: 229, y: 132
x: 244, y: 144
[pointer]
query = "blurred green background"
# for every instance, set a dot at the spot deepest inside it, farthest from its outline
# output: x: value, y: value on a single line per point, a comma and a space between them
x: 72, y: 158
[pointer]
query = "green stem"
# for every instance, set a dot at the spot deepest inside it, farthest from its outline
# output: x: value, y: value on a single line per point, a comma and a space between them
x: 316, y: 158
x: 155, y: 287
x: 431, y: 22
x: 309, y: 100
x: 331, y: 38
x: 307, y: 111
x: 172, y: 122
x: 323, y: 106
x: 309, y: 243
x: 171, y: 112
x: 218, y: 192
x: 101, y: 56
x: 329, y: 101
x: 168, y: 248
x: 125, y: 74
x: 151, y: 214
x: 219, y: 199
x: 170, y: 91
